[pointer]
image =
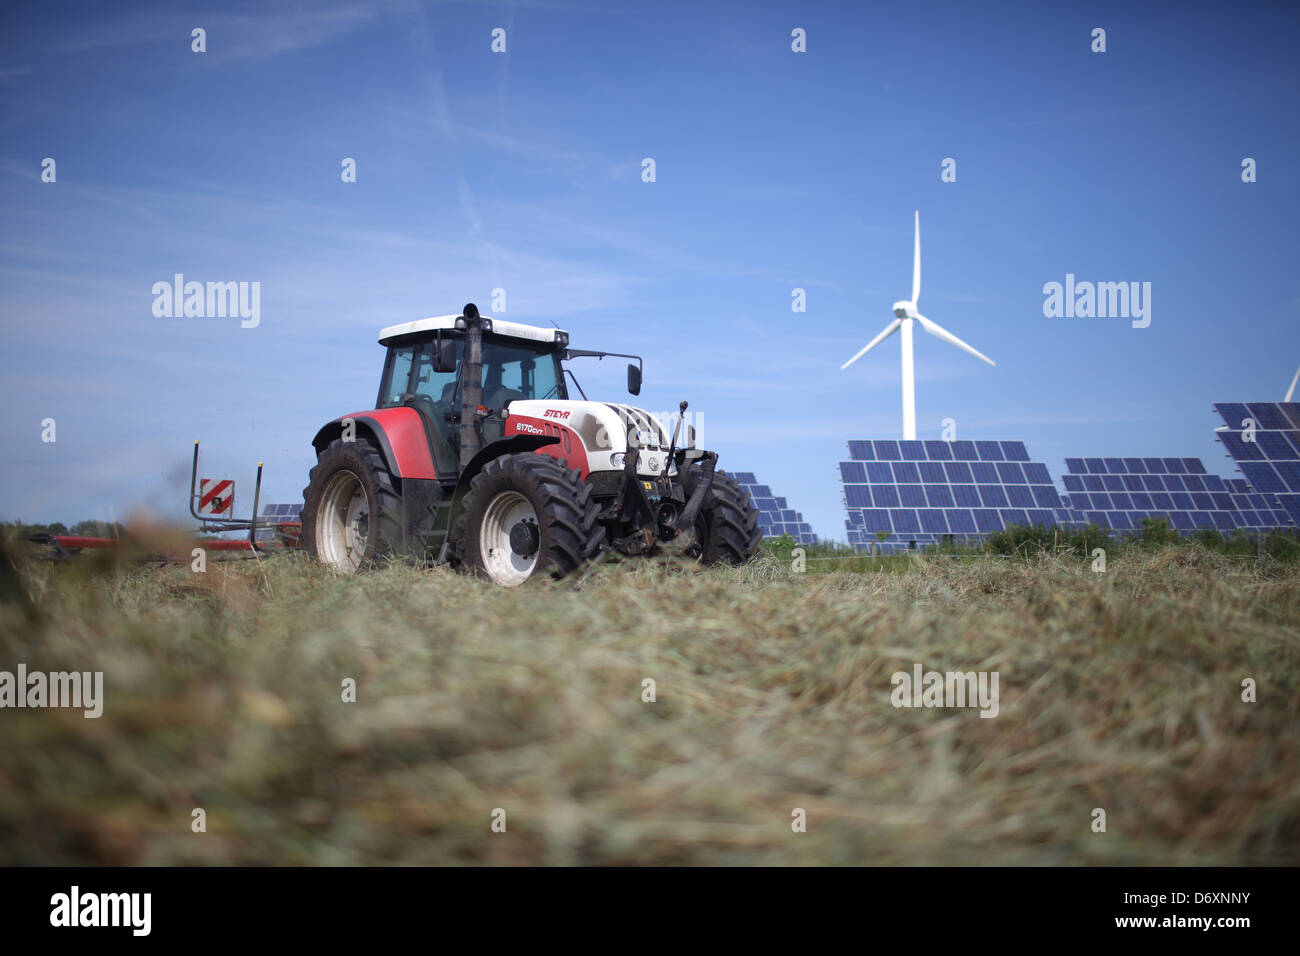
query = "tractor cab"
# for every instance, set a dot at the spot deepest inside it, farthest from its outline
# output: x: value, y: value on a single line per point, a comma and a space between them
x: 424, y: 365
x: 425, y: 370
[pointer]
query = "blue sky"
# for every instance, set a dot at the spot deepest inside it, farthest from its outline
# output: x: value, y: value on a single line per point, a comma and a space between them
x: 522, y: 171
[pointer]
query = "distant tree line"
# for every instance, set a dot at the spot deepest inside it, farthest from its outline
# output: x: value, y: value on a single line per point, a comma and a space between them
x: 1281, y: 545
x: 84, y: 529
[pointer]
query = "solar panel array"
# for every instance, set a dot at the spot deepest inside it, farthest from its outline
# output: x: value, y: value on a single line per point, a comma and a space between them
x: 1256, y: 512
x: 1117, y: 493
x: 281, y: 513
x: 775, y: 516
x: 1263, y: 438
x: 908, y: 494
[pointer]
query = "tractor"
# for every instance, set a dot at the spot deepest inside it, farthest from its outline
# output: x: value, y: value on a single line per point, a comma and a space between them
x: 474, y: 455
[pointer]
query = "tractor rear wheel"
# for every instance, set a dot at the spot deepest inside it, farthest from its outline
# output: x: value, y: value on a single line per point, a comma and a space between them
x: 726, y: 529
x: 526, y: 515
x: 351, y: 513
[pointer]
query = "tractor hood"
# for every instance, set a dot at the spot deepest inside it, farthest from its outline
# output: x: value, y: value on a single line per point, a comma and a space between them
x: 602, y: 427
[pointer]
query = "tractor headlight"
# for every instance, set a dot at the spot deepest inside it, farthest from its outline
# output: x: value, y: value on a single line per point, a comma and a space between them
x: 562, y: 338
x: 617, y: 459
x: 486, y: 324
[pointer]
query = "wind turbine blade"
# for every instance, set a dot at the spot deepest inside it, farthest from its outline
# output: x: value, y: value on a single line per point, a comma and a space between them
x: 1291, y: 391
x: 889, y: 330
x: 940, y: 332
x: 916, y: 261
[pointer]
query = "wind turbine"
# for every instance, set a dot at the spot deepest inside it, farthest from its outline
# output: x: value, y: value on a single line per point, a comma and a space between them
x: 1291, y: 391
x: 904, y: 315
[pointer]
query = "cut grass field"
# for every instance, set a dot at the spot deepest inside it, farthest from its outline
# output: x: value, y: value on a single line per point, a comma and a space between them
x: 223, y: 691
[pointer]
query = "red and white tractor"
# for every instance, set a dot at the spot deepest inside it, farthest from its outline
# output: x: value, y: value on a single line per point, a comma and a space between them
x: 474, y: 454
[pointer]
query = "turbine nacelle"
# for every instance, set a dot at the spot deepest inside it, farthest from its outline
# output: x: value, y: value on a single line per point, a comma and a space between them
x: 905, y: 310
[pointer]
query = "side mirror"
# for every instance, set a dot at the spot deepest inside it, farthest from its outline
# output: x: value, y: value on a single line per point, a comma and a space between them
x: 633, y: 379
x: 444, y: 356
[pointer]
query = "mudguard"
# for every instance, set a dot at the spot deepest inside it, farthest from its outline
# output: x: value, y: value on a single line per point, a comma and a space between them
x: 397, y: 432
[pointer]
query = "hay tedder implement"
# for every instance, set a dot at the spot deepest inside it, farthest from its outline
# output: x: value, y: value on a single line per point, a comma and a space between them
x: 212, y: 504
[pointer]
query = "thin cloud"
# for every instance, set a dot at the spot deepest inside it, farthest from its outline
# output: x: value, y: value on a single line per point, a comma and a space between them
x: 276, y: 29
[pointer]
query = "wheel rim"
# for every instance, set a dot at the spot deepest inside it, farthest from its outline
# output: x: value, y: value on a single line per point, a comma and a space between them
x: 703, y: 531
x: 343, y: 526
x: 501, y: 561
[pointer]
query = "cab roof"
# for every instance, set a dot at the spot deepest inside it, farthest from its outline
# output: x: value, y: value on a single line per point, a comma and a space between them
x: 517, y: 330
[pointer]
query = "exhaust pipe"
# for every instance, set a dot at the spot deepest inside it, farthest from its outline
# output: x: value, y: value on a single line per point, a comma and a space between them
x: 471, y: 386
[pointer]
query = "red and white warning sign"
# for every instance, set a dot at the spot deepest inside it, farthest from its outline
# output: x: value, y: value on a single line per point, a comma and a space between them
x: 217, y: 497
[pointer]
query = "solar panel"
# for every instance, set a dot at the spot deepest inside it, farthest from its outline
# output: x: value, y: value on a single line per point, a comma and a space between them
x: 775, y: 516
x: 1263, y: 439
x: 1117, y: 493
x: 279, y: 513
x: 903, y: 495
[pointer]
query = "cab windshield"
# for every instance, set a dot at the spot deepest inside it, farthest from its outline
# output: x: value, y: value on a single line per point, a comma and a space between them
x: 512, y: 371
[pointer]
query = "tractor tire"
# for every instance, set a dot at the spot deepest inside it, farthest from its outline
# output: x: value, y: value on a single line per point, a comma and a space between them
x: 526, y: 515
x: 351, y: 513
x: 726, y: 529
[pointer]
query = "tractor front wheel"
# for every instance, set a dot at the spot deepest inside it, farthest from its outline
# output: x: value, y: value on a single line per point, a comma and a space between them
x: 726, y: 529
x: 526, y: 515
x: 351, y: 513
